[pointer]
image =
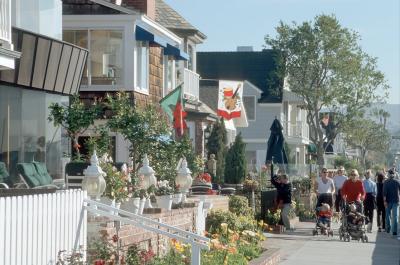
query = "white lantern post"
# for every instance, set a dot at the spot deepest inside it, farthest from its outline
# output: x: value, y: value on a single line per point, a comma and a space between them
x: 184, y: 179
x: 94, y: 182
x: 148, y: 178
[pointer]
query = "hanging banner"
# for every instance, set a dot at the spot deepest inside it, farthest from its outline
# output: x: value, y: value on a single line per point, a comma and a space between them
x: 230, y: 99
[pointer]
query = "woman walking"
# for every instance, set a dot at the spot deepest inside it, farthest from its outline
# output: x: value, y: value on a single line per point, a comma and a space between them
x: 353, y: 190
x: 325, y: 189
x: 380, y: 207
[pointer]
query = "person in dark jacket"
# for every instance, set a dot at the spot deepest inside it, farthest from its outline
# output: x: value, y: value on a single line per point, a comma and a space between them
x: 284, y: 197
x: 391, y: 197
x: 380, y: 207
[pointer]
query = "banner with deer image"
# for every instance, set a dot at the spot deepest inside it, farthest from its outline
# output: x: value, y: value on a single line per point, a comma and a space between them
x: 230, y: 99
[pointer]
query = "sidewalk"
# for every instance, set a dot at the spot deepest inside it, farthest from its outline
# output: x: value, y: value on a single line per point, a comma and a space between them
x: 301, y: 248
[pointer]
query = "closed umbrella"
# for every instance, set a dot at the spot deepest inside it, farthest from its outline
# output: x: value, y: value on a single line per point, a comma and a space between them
x: 275, y: 149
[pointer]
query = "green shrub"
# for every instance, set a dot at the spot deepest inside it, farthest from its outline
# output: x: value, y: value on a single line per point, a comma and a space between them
x: 272, y: 218
x: 240, y: 206
x: 216, y: 218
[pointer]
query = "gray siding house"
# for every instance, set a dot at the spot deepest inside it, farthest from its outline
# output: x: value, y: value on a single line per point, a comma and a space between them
x: 265, y: 98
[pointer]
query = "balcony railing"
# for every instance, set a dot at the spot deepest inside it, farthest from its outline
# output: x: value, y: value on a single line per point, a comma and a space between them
x: 296, y: 130
x: 5, y: 21
x: 191, y: 84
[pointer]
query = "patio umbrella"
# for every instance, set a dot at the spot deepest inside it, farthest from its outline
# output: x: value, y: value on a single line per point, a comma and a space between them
x: 275, y: 149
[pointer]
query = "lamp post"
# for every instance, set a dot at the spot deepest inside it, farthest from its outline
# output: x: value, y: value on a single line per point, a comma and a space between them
x: 184, y: 179
x: 94, y: 182
x: 148, y: 178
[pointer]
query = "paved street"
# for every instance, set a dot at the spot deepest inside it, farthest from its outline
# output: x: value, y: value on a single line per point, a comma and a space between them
x: 301, y: 248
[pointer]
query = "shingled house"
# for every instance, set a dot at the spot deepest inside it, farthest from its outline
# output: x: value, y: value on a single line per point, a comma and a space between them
x: 265, y: 97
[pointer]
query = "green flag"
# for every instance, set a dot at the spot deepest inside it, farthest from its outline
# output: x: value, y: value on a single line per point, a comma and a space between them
x: 169, y: 102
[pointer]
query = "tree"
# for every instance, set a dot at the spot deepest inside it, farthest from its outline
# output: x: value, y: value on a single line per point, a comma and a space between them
x: 235, y: 162
x: 141, y: 126
x: 367, y: 135
x: 216, y: 144
x: 382, y: 115
x: 75, y: 119
x: 324, y: 64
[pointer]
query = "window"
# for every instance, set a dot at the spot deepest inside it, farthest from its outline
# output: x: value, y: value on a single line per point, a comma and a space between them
x: 79, y: 38
x: 250, y: 105
x: 142, y: 65
x: 169, y: 75
x: 104, y: 65
x: 191, y: 58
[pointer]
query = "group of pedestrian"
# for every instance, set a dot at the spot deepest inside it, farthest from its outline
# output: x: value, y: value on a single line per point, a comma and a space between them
x: 382, y: 195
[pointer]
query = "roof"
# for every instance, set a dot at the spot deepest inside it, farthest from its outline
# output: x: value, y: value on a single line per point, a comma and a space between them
x: 94, y: 7
x: 256, y: 67
x: 169, y: 18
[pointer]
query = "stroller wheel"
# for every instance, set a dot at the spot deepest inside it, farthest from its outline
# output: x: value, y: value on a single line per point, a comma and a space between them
x: 330, y: 233
x: 365, y: 239
x: 340, y: 237
x: 314, y: 232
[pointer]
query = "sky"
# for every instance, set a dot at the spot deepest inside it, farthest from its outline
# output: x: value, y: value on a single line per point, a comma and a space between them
x: 231, y: 23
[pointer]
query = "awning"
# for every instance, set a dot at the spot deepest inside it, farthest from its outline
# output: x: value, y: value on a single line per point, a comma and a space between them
x: 144, y: 35
x: 176, y: 52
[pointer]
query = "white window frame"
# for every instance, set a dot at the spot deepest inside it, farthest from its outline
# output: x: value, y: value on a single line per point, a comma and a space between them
x: 138, y: 82
x: 255, y: 107
x: 166, y: 60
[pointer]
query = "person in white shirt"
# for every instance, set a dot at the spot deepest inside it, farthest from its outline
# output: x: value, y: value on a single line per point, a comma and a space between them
x: 338, y: 180
x: 325, y: 189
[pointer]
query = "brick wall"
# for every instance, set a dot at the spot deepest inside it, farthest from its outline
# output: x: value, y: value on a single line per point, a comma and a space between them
x: 155, y: 78
x: 184, y: 218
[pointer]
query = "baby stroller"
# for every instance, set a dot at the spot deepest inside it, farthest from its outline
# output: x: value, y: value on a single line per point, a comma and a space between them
x: 323, y: 220
x: 352, y: 222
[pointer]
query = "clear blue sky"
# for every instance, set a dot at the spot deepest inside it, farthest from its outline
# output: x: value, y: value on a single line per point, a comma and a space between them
x: 232, y: 23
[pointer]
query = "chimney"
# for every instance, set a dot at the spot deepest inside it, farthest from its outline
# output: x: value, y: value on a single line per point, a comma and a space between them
x: 244, y: 48
x: 147, y: 7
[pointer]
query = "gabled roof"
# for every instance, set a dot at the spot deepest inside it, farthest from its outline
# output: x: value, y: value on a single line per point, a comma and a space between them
x: 169, y: 18
x: 94, y: 7
x: 256, y: 67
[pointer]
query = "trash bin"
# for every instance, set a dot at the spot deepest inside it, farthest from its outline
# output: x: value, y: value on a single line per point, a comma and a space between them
x: 267, y: 201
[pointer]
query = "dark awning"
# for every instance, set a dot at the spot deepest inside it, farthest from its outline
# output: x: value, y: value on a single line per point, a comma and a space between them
x: 144, y: 35
x: 46, y: 64
x: 176, y: 52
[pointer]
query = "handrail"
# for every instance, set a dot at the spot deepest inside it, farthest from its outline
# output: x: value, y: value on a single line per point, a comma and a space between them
x: 145, y: 219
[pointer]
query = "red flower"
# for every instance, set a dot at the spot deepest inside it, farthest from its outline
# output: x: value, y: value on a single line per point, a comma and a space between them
x: 206, y: 177
x: 115, y: 238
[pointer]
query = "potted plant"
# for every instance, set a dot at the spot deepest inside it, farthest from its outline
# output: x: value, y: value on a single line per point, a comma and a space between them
x: 164, y: 193
x: 177, y: 194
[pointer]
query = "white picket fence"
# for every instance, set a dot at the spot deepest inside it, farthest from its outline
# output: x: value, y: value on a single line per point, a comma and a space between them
x: 34, y: 228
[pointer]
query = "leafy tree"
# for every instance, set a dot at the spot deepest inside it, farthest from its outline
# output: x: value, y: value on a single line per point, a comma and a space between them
x: 324, y: 64
x: 216, y: 144
x: 382, y: 115
x: 235, y: 162
x: 75, y: 119
x: 141, y: 126
x: 100, y: 143
x: 367, y: 135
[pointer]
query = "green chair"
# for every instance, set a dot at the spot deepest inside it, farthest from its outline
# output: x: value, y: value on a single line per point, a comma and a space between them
x: 34, y: 178
x: 5, y: 181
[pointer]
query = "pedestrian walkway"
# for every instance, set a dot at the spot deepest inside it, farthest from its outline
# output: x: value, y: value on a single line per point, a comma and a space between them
x: 301, y: 248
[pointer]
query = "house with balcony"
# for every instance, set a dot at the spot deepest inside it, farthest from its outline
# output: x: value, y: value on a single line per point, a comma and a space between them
x: 199, y: 113
x: 129, y: 51
x: 37, y: 69
x: 265, y: 98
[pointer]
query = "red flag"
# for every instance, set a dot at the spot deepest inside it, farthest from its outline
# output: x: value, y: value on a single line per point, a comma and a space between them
x: 179, y: 119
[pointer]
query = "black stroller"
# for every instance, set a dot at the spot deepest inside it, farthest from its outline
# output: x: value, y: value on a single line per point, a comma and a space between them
x: 352, y: 222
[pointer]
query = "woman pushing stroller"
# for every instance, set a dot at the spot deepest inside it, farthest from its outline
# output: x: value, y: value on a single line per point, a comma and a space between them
x: 353, y: 190
x: 325, y: 189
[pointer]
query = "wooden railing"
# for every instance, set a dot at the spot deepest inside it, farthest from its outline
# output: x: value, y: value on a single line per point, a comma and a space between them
x: 191, y: 84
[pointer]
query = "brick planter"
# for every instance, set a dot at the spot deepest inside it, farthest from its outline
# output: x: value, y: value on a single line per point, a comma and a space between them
x: 268, y: 257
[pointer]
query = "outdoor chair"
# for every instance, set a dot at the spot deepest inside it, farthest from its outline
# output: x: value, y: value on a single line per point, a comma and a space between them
x: 35, y: 175
x: 4, y: 176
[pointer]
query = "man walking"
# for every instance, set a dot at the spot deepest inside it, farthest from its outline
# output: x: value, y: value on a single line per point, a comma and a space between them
x: 284, y: 190
x: 370, y: 199
x: 391, y: 196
